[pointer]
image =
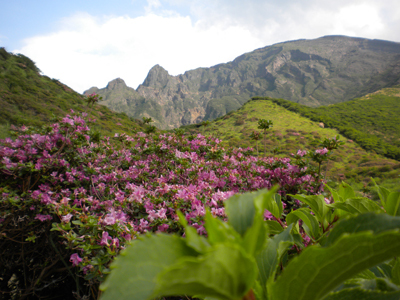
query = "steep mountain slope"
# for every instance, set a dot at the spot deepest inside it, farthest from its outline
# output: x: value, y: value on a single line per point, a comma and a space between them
x: 291, y: 132
x: 316, y: 72
x: 27, y: 98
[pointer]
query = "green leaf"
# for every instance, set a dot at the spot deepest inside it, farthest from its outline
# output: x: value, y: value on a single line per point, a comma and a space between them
x: 312, y: 226
x: 382, y: 192
x: 336, y: 197
x: 220, y: 232
x: 316, y: 203
x: 246, y: 215
x: 225, y: 272
x: 360, y: 294
x: 240, y: 211
x: 274, y: 205
x: 346, y: 191
x: 197, y: 242
x: 317, y: 271
x: 268, y: 260
x: 135, y: 269
x: 392, y: 205
x: 396, y: 272
x: 274, y: 227
x: 376, y: 223
x: 358, y: 205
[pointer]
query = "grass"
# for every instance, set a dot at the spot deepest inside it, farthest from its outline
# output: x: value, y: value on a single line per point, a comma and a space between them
x: 292, y: 132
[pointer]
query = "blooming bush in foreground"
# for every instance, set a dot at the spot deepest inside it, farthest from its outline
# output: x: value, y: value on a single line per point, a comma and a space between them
x: 69, y: 198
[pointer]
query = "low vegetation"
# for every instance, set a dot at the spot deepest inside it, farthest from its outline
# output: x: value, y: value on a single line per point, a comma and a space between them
x: 292, y: 131
x: 27, y: 98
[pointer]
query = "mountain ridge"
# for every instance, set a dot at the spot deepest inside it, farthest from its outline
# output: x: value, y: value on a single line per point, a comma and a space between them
x: 317, y: 72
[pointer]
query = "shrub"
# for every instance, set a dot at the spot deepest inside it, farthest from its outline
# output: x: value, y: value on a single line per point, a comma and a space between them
x: 70, y: 200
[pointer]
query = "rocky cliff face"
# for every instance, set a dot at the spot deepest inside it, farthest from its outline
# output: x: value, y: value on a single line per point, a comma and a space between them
x: 316, y: 72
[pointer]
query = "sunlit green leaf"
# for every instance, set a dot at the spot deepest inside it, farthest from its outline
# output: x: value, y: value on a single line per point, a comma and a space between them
x: 376, y: 223
x: 358, y: 205
x: 392, y: 205
x: 316, y: 203
x: 134, y: 271
x: 312, y: 226
x: 317, y: 271
x: 225, y: 272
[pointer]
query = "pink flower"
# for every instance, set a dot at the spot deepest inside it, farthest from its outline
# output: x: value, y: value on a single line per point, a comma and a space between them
x: 66, y: 218
x: 75, y: 259
x: 104, y: 239
x: 321, y: 151
x: 43, y: 217
x: 163, y: 227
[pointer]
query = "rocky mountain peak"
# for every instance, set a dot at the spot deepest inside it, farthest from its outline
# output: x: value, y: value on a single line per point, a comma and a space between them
x: 116, y: 84
x: 157, y: 77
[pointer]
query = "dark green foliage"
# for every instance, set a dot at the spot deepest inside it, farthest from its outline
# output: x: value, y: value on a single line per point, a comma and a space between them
x: 372, y: 123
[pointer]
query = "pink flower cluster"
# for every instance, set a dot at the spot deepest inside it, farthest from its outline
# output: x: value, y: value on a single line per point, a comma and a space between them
x: 102, y: 194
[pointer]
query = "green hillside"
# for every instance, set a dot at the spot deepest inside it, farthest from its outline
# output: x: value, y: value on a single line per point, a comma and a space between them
x: 371, y: 121
x: 292, y: 132
x: 28, y: 98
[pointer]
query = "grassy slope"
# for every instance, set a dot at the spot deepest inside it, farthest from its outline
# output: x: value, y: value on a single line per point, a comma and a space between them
x: 371, y: 121
x: 291, y: 132
x: 27, y: 98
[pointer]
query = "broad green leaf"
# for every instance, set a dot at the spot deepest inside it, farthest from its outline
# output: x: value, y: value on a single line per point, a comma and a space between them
x: 241, y: 209
x: 312, y: 226
x: 396, y: 272
x: 274, y: 206
x: 135, y: 270
x: 225, y: 272
x: 316, y: 203
x: 358, y: 205
x: 382, y: 192
x: 255, y: 238
x: 197, y: 242
x: 376, y: 223
x: 392, y: 205
x: 376, y: 284
x: 346, y: 191
x: 360, y: 294
x: 274, y: 227
x: 268, y: 260
x: 317, y: 271
x: 219, y: 231
x: 336, y: 197
x: 250, y: 222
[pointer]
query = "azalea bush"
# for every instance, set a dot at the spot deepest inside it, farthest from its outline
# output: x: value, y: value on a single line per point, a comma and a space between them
x: 341, y: 250
x: 70, y: 200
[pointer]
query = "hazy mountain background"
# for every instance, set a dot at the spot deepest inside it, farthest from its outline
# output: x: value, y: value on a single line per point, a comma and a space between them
x: 323, y: 71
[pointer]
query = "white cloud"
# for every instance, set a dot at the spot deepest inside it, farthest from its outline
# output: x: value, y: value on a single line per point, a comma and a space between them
x: 87, y: 51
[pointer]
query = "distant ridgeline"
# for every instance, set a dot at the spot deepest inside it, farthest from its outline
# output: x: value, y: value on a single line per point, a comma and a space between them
x: 371, y: 121
x: 30, y: 99
x: 317, y: 72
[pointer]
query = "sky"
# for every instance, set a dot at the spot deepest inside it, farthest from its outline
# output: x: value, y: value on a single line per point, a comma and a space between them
x: 86, y: 43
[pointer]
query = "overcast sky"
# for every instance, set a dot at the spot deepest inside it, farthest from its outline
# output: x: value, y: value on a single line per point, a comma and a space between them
x: 85, y: 43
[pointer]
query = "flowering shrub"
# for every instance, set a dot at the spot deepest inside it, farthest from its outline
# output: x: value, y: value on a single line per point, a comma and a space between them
x: 69, y: 198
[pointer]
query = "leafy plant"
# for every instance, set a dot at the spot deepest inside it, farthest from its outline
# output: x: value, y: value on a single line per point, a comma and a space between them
x: 264, y: 125
x: 239, y: 261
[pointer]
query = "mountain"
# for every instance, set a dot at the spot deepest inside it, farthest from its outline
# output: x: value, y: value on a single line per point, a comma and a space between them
x: 315, y: 72
x: 30, y: 99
